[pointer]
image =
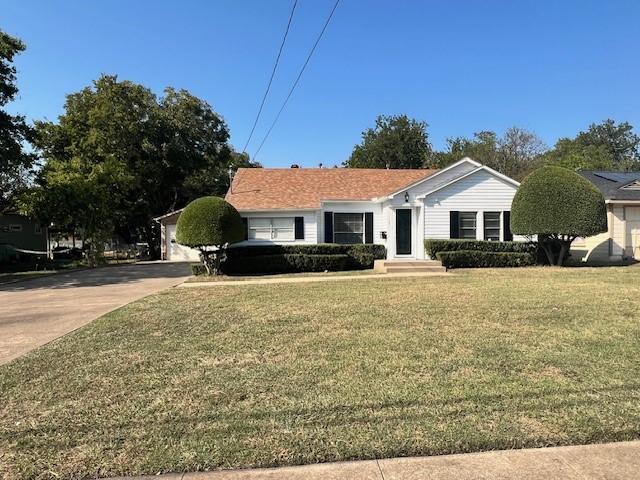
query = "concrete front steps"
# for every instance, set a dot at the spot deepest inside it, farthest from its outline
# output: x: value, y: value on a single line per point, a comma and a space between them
x: 408, y: 266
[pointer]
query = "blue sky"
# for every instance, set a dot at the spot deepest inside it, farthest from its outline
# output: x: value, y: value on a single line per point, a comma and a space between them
x: 462, y: 66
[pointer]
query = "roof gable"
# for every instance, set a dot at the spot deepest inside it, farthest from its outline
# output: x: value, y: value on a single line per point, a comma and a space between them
x: 481, y: 168
x: 306, y: 188
x: 615, y: 185
x: 635, y: 185
x: 466, y: 160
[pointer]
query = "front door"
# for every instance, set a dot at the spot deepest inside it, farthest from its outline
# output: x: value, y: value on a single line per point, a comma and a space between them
x: 403, y: 231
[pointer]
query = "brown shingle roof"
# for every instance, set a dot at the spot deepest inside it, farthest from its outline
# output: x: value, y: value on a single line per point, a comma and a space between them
x: 294, y: 188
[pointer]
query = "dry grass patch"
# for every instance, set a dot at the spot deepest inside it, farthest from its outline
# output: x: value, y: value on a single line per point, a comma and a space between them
x: 266, y: 375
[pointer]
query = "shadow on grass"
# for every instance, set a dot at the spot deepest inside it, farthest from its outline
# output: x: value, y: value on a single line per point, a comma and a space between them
x: 96, y: 277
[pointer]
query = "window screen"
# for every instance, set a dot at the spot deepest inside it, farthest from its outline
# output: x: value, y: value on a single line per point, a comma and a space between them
x: 348, y: 228
x: 492, y: 226
x: 468, y: 225
x: 278, y: 228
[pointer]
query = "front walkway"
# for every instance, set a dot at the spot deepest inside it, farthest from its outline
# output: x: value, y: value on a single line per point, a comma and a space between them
x: 611, y: 461
x: 309, y: 279
x: 34, y: 312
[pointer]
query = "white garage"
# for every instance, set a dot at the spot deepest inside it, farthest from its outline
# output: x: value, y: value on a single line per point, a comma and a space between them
x: 170, y: 249
x: 177, y: 252
x: 632, y: 217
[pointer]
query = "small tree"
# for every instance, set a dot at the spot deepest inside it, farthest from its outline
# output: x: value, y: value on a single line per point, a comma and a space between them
x: 557, y: 205
x: 209, y: 224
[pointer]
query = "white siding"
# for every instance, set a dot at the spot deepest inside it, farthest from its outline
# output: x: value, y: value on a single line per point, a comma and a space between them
x: 310, y: 226
x: 432, y: 183
x: 479, y: 192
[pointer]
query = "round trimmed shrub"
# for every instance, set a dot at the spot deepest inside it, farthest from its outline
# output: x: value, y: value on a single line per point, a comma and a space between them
x: 209, y: 221
x: 557, y: 201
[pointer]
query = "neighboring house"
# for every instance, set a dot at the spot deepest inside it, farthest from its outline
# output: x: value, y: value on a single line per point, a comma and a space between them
x: 621, y: 191
x: 169, y: 248
x: 18, y: 231
x: 396, y: 208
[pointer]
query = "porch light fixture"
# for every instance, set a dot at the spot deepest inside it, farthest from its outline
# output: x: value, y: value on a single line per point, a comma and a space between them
x: 406, y: 197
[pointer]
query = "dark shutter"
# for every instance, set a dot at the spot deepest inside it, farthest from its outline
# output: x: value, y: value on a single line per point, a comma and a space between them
x: 368, y: 227
x: 299, y: 228
x: 245, y: 224
x: 454, y: 224
x: 328, y: 227
x: 506, y: 220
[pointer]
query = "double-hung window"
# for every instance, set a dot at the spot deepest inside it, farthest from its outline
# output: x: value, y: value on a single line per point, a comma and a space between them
x: 348, y: 228
x: 467, y: 225
x: 492, y: 226
x: 276, y: 228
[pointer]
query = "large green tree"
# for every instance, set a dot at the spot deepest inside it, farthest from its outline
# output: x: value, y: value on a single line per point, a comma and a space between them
x: 160, y: 154
x: 15, y: 163
x: 395, y: 142
x: 604, y: 146
x: 514, y: 154
x: 558, y: 205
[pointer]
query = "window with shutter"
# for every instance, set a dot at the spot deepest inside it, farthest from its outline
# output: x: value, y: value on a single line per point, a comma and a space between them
x: 467, y: 226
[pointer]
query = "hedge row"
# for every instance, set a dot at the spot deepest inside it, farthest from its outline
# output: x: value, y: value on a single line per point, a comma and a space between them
x: 434, y: 246
x: 358, y: 257
x: 378, y: 251
x: 477, y: 258
x: 288, y: 263
x: 298, y: 258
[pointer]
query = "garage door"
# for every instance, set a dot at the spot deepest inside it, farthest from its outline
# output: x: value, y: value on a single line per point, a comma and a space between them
x: 177, y: 252
x: 632, y: 215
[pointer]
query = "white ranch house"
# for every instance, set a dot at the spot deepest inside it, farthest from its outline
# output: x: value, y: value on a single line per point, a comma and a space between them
x: 395, y: 208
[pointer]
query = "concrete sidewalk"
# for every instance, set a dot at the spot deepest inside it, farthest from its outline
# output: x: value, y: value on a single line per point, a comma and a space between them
x: 310, y: 279
x: 611, y: 461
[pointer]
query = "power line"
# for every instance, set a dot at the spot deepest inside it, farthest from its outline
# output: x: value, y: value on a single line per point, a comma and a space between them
x: 273, y: 72
x: 295, y: 84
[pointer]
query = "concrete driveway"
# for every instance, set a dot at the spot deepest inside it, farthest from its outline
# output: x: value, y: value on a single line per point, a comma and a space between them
x: 34, y: 312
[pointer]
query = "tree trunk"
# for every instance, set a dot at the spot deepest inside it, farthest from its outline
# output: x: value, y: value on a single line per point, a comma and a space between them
x: 216, y: 263
x: 151, y: 236
x: 546, y: 243
x: 565, y: 246
x: 204, y: 256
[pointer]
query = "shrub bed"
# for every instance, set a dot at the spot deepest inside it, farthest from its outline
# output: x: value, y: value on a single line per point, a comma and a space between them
x: 301, y: 258
x: 287, y: 263
x: 378, y: 251
x: 482, y: 259
x: 434, y: 246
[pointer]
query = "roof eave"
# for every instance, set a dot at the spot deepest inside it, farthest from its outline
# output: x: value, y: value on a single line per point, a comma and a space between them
x: 617, y: 200
x: 161, y: 217
x: 279, y: 209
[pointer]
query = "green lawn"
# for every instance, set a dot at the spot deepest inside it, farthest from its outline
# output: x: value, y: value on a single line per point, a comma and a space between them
x: 266, y: 375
